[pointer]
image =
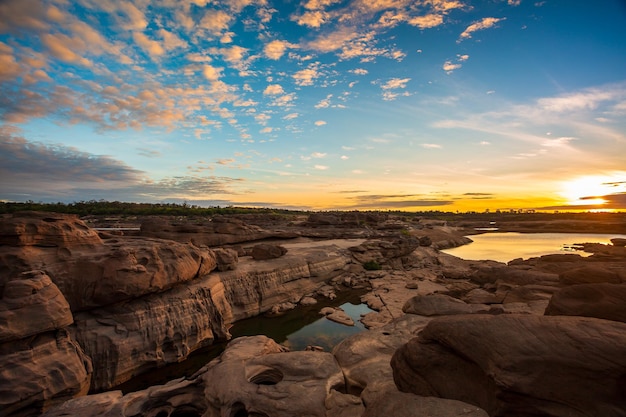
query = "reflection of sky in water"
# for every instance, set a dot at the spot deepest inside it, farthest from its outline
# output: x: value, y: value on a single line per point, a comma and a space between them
x: 327, y: 333
x: 505, y: 247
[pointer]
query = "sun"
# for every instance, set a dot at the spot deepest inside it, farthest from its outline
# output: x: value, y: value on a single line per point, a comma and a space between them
x: 589, y: 190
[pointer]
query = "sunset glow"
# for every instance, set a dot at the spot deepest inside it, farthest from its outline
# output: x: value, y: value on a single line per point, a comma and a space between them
x: 316, y: 105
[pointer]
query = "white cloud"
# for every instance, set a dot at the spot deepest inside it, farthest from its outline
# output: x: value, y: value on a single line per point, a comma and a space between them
x: 448, y: 66
x: 273, y: 90
x: 431, y: 146
x: 321, y: 167
x: 276, y: 49
x: 320, y: 123
x: 485, y: 23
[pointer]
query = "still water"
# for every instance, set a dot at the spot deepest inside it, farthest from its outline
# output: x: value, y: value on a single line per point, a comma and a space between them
x: 504, y: 247
x: 295, y: 329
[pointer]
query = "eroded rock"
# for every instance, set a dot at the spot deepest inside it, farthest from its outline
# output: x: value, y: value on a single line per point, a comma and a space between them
x: 32, y: 304
x: 519, y: 365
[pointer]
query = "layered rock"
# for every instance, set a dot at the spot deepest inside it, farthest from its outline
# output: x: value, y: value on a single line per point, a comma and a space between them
x: 129, y: 338
x: 32, y: 304
x: 91, y: 272
x: 519, y: 365
x: 256, y: 286
x: 255, y: 376
x: 41, y: 364
x: 215, y: 231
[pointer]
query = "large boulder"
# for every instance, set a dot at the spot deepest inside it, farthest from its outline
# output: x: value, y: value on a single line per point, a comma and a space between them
x: 440, y: 305
x: 41, y: 371
x: 589, y: 274
x: 32, y: 304
x: 40, y: 229
x: 519, y: 365
x: 265, y: 251
x: 389, y: 251
x: 604, y: 301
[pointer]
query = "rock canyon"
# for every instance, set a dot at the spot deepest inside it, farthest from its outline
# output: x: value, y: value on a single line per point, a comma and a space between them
x: 84, y: 309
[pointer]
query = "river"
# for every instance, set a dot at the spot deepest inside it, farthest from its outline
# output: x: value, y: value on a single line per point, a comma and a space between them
x: 504, y: 247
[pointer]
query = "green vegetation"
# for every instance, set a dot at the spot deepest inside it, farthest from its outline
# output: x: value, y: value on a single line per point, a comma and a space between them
x: 372, y: 266
x: 85, y: 208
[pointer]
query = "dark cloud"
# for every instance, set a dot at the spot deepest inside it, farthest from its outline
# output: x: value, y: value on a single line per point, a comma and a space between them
x: 478, y: 196
x: 20, y: 158
x: 52, y: 173
x: 612, y: 202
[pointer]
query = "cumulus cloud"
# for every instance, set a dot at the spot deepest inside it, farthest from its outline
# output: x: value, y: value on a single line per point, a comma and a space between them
x: 276, y: 49
x: 273, y: 90
x: 306, y: 76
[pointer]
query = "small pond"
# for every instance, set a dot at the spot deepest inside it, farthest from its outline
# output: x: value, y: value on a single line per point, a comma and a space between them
x: 295, y: 329
x: 504, y: 247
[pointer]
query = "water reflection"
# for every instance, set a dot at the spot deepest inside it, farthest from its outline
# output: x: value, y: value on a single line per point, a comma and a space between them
x: 295, y: 329
x: 504, y: 247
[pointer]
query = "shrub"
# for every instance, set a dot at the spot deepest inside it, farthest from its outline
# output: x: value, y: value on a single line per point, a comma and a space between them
x: 372, y: 266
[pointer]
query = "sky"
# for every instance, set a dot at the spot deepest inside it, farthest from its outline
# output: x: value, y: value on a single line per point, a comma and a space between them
x: 413, y: 105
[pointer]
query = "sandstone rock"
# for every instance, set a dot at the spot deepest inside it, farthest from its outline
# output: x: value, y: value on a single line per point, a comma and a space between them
x: 384, y: 251
x: 226, y: 259
x: 481, y: 296
x: 256, y: 286
x: 589, y: 274
x: 440, y: 305
x: 388, y: 402
x: 116, y: 270
x: 264, y: 251
x: 337, y: 315
x: 257, y: 378
x: 41, y: 371
x: 490, y: 273
x: 604, y: 301
x: 619, y: 242
x: 519, y: 365
x: 128, y: 338
x: 42, y: 229
x: 217, y: 231
x: 32, y: 304
x: 364, y: 357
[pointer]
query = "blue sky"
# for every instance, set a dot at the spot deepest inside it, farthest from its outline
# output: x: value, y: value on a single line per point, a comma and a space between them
x: 388, y: 104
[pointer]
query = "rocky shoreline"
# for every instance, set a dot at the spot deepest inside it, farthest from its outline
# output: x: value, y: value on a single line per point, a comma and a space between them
x: 83, y: 310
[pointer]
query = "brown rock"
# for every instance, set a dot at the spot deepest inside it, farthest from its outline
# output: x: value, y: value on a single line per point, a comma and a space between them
x: 41, y: 371
x: 131, y: 337
x: 226, y: 258
x: 265, y: 251
x: 604, y: 301
x: 619, y: 242
x: 30, y: 305
x: 32, y: 228
x: 440, y: 305
x: 589, y: 274
x: 216, y: 231
x: 116, y: 270
x: 519, y: 365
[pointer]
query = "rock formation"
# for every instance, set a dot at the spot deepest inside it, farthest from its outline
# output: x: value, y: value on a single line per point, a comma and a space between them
x: 111, y: 307
x: 513, y: 365
x: 41, y: 364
